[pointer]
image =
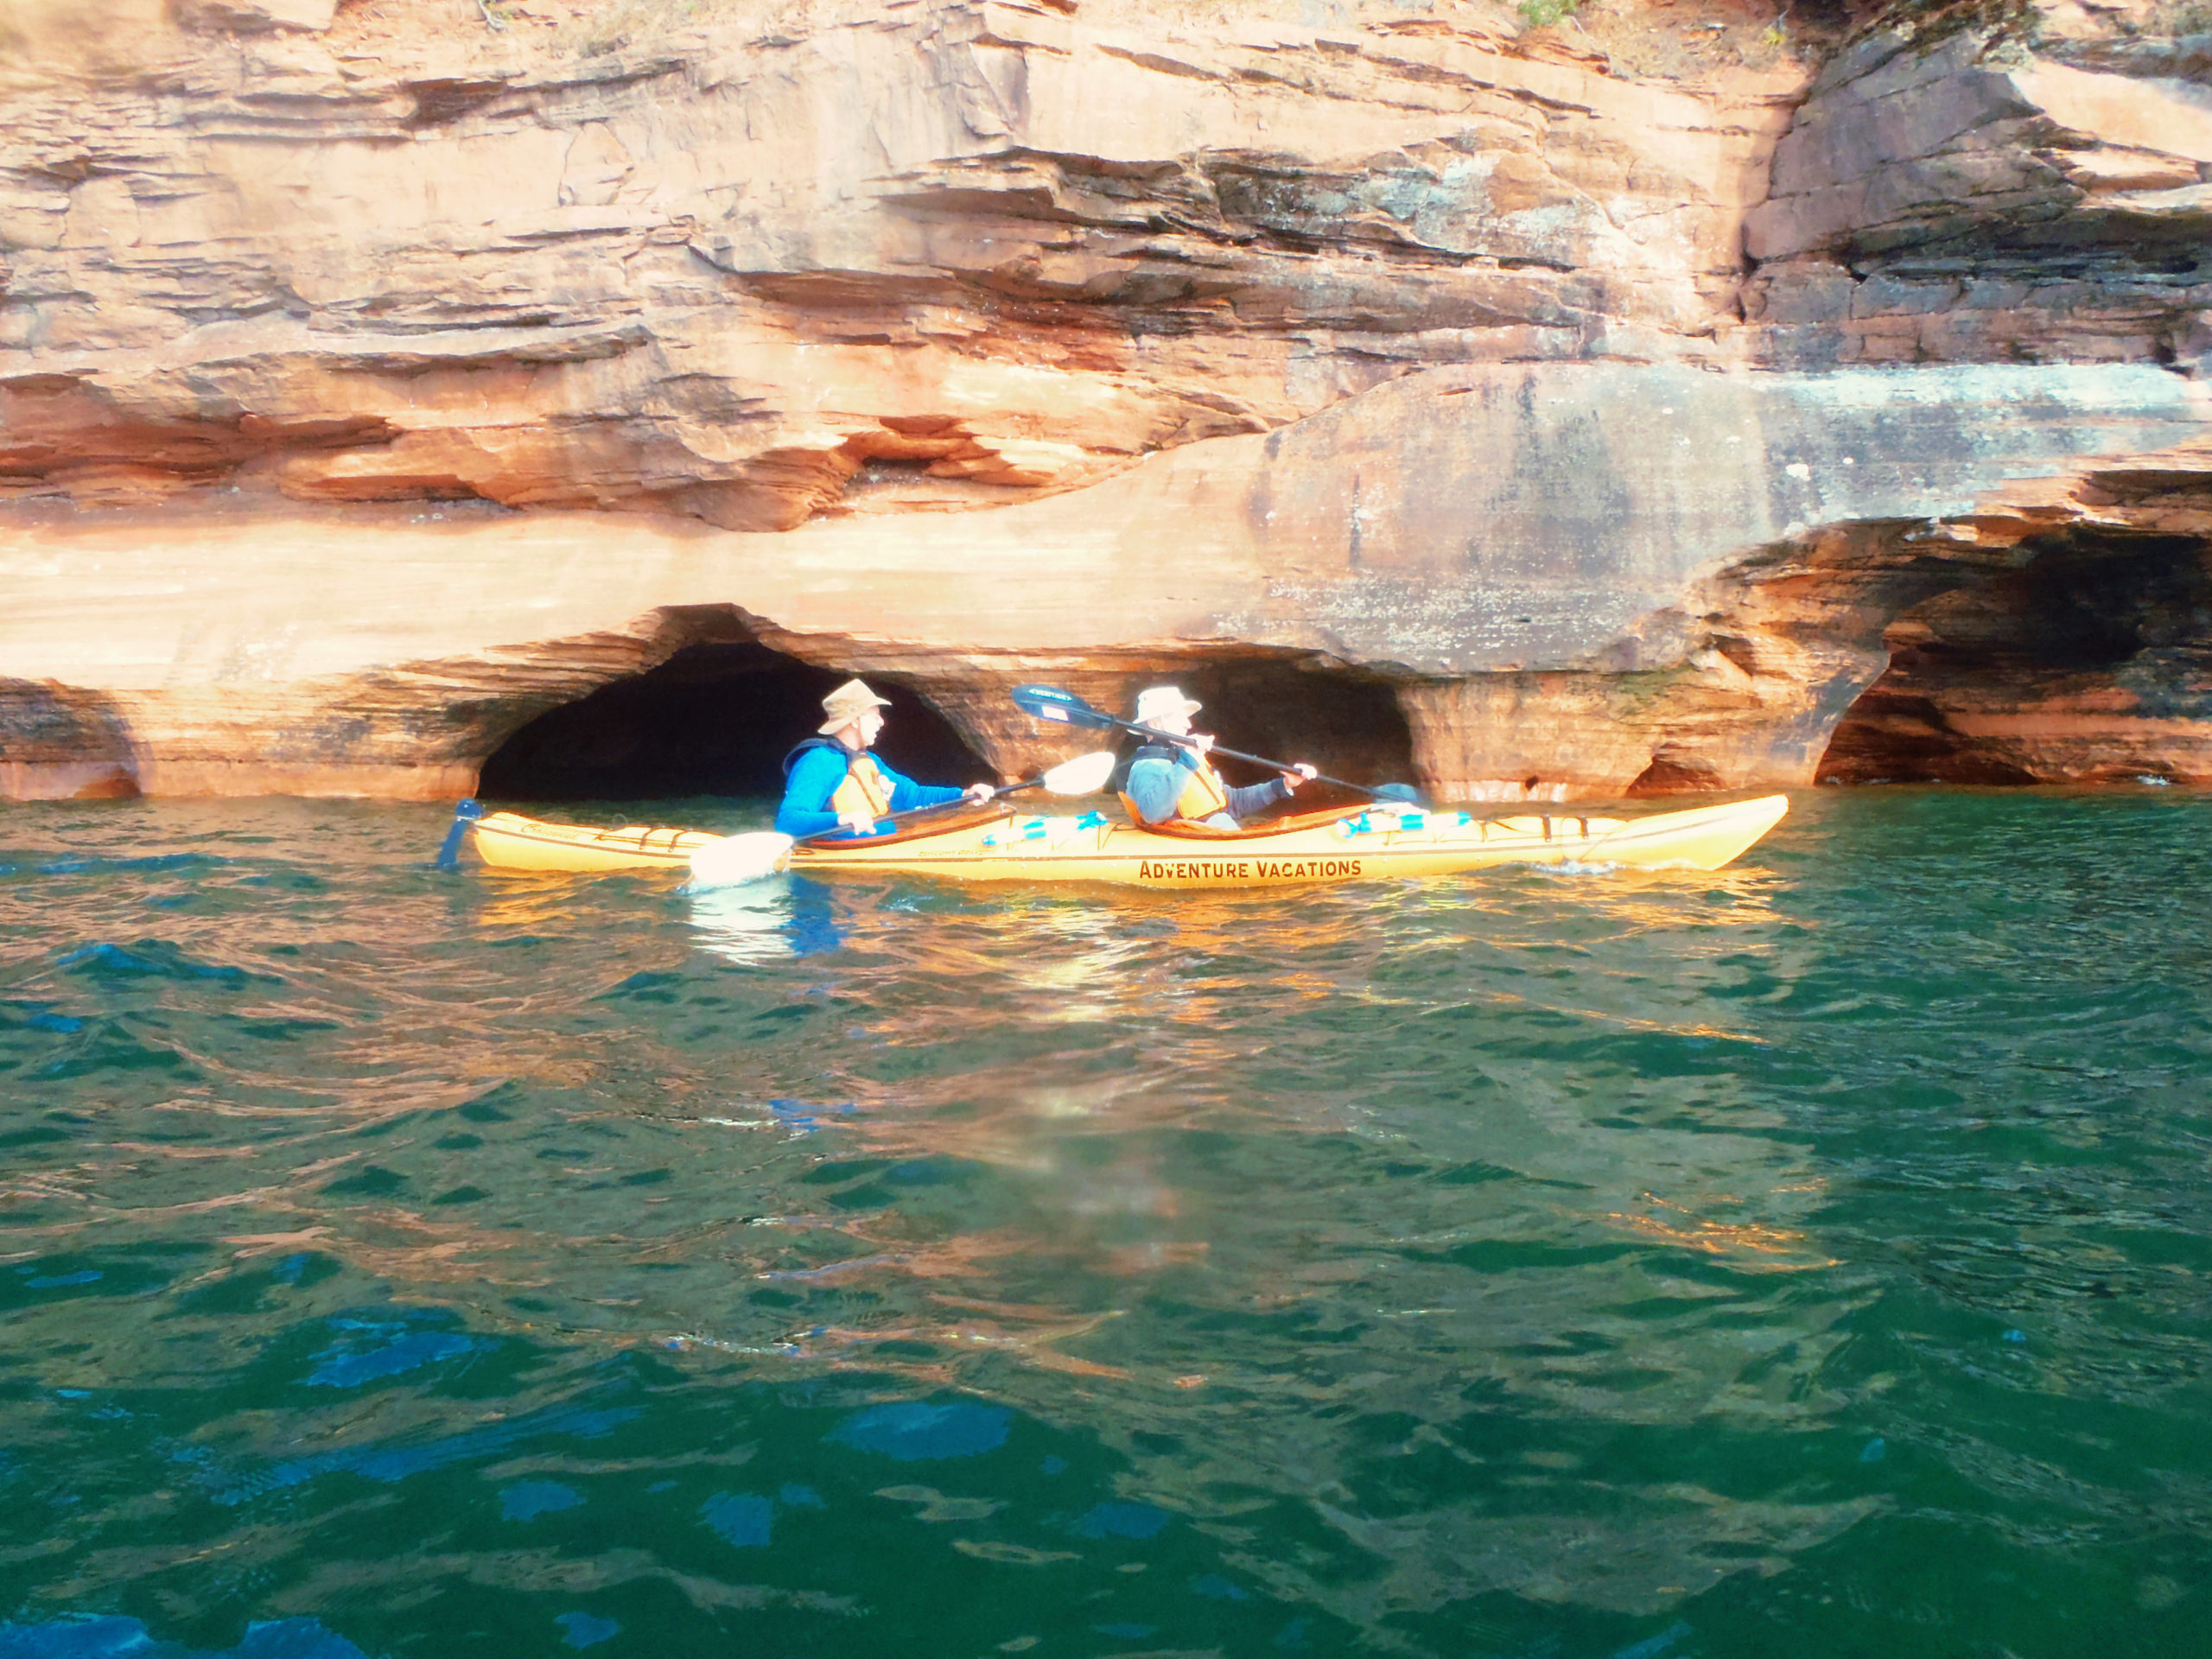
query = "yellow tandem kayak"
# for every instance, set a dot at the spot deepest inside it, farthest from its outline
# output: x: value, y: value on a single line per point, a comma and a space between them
x: 1352, y: 844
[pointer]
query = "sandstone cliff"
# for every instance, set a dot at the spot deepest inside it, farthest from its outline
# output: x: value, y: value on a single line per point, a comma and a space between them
x: 1629, y: 405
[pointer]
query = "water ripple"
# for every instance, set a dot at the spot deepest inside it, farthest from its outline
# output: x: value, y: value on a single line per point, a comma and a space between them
x: 1810, y: 1255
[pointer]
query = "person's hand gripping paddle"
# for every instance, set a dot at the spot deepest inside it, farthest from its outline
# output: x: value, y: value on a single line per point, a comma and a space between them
x: 733, y: 860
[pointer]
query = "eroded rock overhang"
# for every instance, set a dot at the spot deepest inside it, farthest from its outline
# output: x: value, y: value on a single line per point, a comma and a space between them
x: 1579, y: 575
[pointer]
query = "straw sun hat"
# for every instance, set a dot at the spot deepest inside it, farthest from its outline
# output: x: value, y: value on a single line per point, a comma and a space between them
x: 847, y: 703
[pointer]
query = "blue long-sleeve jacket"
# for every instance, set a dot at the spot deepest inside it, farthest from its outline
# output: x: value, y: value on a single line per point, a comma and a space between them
x: 1156, y: 780
x: 815, y: 777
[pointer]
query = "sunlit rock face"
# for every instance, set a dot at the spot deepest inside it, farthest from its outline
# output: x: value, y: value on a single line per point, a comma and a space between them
x: 1991, y: 196
x: 950, y: 255
x: 372, y: 383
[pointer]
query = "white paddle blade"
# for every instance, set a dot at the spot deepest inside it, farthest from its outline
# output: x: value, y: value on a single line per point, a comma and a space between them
x: 1084, y: 775
x: 732, y: 860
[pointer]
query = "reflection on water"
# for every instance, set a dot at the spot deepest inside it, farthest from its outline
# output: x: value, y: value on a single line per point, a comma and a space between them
x: 1803, y: 1256
x: 760, y: 924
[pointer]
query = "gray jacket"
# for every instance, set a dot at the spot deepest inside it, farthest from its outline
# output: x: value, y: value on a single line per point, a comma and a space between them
x: 1156, y: 780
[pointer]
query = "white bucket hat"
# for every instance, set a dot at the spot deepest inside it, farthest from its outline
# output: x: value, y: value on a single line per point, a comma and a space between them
x: 1158, y: 702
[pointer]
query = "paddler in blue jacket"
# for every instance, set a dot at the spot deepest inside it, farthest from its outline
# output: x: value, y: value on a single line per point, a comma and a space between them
x: 1175, y: 782
x: 832, y: 779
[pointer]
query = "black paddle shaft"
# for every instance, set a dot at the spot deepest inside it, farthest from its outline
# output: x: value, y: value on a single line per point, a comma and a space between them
x: 1050, y: 703
x: 1261, y: 761
x: 940, y: 806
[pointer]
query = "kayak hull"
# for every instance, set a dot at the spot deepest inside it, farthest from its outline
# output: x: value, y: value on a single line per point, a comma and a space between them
x: 1354, y: 845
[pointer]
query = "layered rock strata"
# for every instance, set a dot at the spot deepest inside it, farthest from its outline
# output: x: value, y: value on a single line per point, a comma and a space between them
x: 365, y: 394
x: 1973, y: 199
x: 936, y: 256
x: 1618, y: 567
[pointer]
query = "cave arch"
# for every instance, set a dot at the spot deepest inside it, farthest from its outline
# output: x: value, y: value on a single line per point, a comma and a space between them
x: 2090, y: 663
x: 712, y: 719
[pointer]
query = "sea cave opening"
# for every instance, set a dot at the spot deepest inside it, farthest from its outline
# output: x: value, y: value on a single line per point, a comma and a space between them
x: 2083, y: 664
x: 714, y: 719
x: 1347, y: 723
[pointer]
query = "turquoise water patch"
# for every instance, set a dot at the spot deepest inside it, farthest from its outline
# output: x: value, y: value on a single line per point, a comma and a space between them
x: 144, y: 959
x: 71, y: 1281
x: 393, y: 1463
x: 805, y: 1117
x: 116, y: 1637
x: 1652, y: 1647
x: 919, y: 1432
x: 587, y: 1629
x: 38, y: 1016
x: 528, y: 1499
x: 1215, y: 1588
x: 369, y: 1350
x: 746, y: 1522
x: 1122, y: 1520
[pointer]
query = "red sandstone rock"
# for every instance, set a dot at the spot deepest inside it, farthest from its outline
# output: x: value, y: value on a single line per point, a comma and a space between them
x: 364, y: 393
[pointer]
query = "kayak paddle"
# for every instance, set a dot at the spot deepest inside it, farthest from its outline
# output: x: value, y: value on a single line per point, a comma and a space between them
x: 1050, y: 703
x: 731, y: 860
x: 464, y: 814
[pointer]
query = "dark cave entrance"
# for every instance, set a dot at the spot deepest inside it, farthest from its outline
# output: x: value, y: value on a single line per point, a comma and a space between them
x: 1347, y: 723
x: 711, y: 720
x: 2013, y: 680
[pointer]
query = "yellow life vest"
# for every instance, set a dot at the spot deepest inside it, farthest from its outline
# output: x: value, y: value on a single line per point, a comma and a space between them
x: 865, y: 789
x: 1204, y: 794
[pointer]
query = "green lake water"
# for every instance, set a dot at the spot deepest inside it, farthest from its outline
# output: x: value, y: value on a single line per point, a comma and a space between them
x: 1813, y: 1259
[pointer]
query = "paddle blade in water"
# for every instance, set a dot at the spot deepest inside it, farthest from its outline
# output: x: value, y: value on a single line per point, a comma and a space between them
x: 464, y: 814
x: 1084, y: 775
x: 1405, y: 792
x: 734, y: 859
x: 1050, y: 703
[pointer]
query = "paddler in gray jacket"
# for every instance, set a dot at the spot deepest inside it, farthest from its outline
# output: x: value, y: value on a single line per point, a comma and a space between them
x: 1177, y: 782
